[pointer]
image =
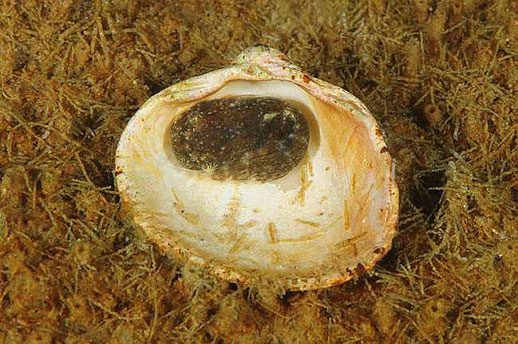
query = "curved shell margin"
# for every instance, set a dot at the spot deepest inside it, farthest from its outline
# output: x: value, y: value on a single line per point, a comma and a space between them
x: 263, y: 64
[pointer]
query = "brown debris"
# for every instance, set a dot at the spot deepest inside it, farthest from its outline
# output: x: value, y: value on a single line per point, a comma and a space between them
x: 72, y: 73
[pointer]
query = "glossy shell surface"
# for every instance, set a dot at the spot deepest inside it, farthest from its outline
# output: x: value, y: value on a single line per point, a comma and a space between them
x: 330, y: 218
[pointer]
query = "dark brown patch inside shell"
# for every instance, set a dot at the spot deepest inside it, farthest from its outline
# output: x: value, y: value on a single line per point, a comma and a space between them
x: 241, y: 138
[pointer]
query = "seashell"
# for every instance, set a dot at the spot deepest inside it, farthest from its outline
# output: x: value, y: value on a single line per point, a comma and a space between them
x: 260, y: 171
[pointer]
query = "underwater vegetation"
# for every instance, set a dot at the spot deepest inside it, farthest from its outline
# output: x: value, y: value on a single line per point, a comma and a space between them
x: 440, y: 77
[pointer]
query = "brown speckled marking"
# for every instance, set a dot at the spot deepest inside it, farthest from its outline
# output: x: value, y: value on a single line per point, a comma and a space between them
x: 355, y: 249
x: 309, y: 166
x: 355, y: 238
x: 353, y: 181
x: 305, y: 182
x: 249, y: 224
x: 276, y: 257
x: 360, y: 268
x: 306, y: 78
x: 274, y: 239
x: 192, y: 218
x: 230, y: 218
x: 309, y: 223
x: 272, y: 233
x: 351, y: 244
x: 346, y: 216
x: 238, y: 244
x: 379, y: 250
x: 383, y: 150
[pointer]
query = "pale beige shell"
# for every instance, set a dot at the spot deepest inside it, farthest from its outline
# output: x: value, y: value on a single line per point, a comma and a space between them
x: 329, y: 219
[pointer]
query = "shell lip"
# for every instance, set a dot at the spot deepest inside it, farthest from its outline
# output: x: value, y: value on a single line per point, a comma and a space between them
x: 270, y: 61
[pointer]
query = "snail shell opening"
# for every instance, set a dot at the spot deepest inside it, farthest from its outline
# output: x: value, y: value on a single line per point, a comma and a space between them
x: 328, y: 216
